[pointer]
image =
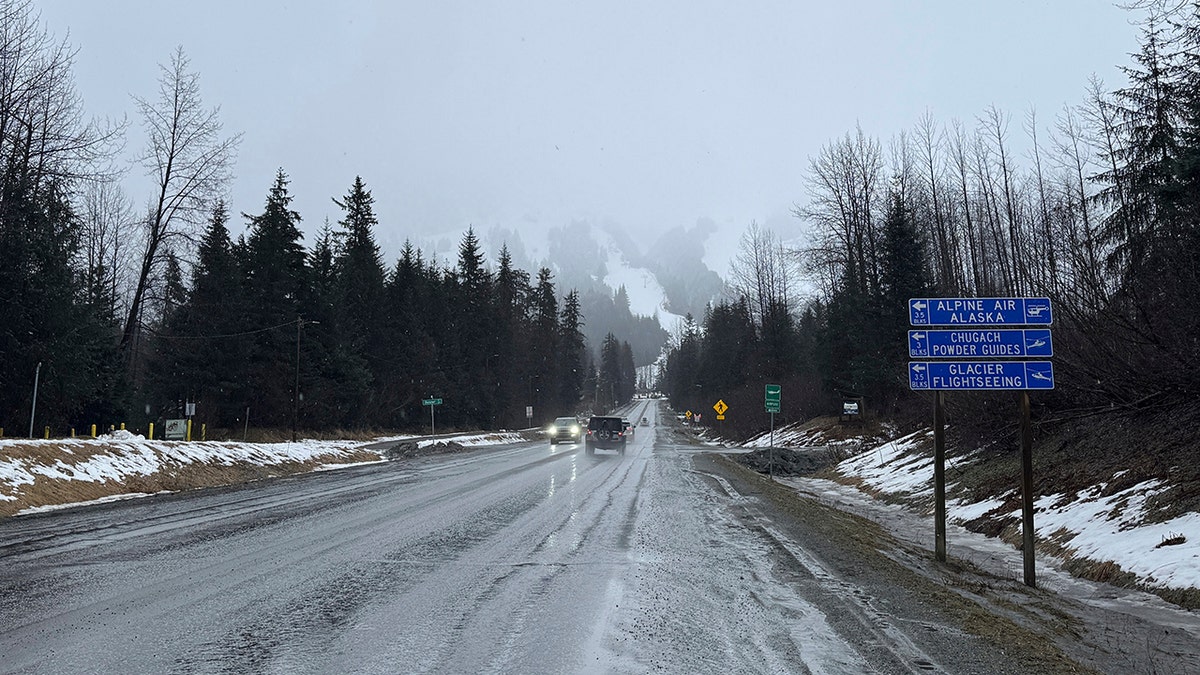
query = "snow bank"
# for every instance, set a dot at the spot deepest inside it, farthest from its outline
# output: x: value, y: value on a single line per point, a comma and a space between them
x: 475, y: 440
x: 805, y: 434
x: 1088, y: 524
x: 1114, y: 528
x: 118, y: 456
x: 894, y: 468
x: 111, y: 462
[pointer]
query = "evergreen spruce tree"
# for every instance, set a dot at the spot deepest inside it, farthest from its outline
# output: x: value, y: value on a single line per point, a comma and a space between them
x: 609, y: 377
x: 359, y: 265
x: 471, y: 338
x: 728, y: 344
x: 412, y: 354
x: 1149, y: 116
x: 333, y: 375
x: 207, y: 352
x: 683, y: 367
x: 572, y: 363
x: 544, y: 348
x: 46, y: 317
x: 1182, y: 194
x: 276, y: 282
x: 509, y: 371
x: 359, y: 304
x: 627, y: 384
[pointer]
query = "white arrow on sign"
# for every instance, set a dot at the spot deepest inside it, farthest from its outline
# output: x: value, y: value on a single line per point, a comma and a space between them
x: 918, y: 336
x: 918, y: 367
x: 919, y: 305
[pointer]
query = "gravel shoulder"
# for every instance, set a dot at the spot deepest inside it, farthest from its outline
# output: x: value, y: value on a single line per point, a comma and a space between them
x: 901, y: 610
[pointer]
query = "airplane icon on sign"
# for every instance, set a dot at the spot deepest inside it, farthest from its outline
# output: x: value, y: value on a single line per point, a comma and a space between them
x: 1035, y: 344
x: 1039, y: 375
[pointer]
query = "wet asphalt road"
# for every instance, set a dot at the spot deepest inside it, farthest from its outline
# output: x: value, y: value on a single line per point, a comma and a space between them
x: 500, y: 559
x: 527, y: 558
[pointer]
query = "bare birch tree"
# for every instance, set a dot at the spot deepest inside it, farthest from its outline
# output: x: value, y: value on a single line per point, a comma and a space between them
x: 762, y: 272
x: 1073, y: 152
x: 106, y: 227
x: 190, y: 162
x: 43, y: 133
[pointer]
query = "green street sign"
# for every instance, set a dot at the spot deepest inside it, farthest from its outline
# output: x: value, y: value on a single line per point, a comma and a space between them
x: 772, y: 395
x: 431, y: 401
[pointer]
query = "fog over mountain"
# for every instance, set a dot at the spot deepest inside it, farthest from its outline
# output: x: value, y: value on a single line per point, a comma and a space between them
x: 638, y: 289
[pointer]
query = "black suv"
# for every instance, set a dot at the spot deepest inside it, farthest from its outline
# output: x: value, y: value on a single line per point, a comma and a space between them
x: 605, y: 432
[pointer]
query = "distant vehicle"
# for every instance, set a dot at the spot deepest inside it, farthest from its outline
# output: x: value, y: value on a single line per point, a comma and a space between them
x: 605, y: 432
x: 645, y: 422
x: 628, y: 425
x: 564, y: 428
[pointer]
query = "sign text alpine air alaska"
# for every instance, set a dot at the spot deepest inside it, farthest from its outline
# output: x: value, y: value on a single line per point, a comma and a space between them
x: 979, y: 311
x: 979, y: 328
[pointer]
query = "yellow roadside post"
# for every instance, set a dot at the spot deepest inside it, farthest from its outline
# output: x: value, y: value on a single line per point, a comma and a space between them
x: 47, y: 433
x: 204, y: 432
x: 189, y: 430
x: 151, y: 431
x: 93, y: 431
x: 122, y: 426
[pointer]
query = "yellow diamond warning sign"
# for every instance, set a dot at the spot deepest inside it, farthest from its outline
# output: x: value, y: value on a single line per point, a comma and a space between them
x: 720, y: 407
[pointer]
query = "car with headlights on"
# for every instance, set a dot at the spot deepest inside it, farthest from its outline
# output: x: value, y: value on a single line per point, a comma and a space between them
x: 564, y: 428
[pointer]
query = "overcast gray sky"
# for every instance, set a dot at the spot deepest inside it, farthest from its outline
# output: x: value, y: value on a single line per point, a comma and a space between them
x: 530, y: 114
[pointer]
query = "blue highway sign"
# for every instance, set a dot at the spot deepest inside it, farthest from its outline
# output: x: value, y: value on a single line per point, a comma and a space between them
x: 979, y: 311
x: 980, y: 375
x: 974, y: 343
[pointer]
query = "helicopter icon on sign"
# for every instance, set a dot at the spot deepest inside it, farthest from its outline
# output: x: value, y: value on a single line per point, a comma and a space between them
x: 1036, y: 311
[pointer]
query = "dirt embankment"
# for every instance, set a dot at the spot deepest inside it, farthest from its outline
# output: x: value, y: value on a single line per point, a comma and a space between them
x: 68, y: 471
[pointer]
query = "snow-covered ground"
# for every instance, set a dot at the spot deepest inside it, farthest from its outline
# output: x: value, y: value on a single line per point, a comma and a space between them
x: 110, y: 462
x: 1164, y: 555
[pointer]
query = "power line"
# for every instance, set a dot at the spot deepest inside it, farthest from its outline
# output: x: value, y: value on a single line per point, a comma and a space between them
x: 162, y: 336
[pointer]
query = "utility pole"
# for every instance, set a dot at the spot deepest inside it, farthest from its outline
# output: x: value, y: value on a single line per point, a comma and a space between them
x: 33, y: 411
x: 296, y: 391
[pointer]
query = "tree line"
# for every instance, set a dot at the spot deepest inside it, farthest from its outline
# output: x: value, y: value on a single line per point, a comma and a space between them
x: 126, y: 315
x: 1098, y: 208
x: 264, y: 320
